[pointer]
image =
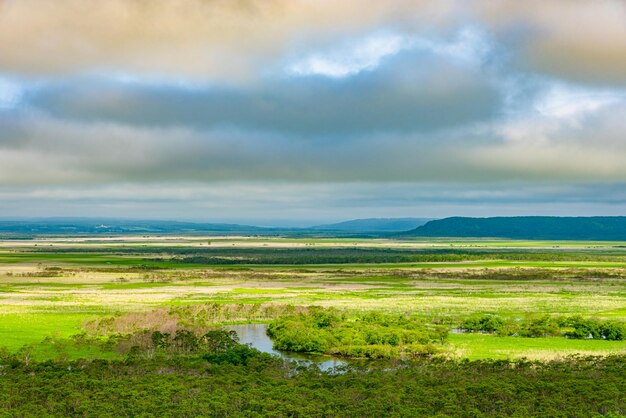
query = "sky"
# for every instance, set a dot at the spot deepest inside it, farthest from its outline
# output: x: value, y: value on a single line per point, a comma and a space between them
x: 289, y: 112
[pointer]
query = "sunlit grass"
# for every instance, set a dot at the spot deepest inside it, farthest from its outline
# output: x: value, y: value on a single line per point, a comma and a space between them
x: 481, y: 346
x: 43, y: 294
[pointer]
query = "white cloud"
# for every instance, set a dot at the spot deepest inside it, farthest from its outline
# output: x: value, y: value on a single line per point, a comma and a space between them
x: 10, y: 94
x: 567, y: 102
x: 470, y: 46
x: 569, y: 133
x: 366, y: 54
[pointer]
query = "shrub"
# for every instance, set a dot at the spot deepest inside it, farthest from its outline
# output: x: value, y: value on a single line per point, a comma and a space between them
x: 369, y: 335
x: 593, y: 328
x: 543, y: 326
x: 484, y: 323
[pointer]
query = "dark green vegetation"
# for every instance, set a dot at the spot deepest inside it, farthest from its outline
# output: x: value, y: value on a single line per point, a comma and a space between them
x: 370, y: 335
x: 527, y: 227
x: 216, y: 255
x: 232, y: 384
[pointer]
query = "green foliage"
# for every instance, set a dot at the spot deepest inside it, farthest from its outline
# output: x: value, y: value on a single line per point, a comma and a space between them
x: 240, y: 355
x: 542, y: 326
x: 371, y: 335
x: 531, y: 327
x: 596, y: 329
x: 545, y: 325
x: 252, y: 386
x: 182, y: 342
x: 483, y: 323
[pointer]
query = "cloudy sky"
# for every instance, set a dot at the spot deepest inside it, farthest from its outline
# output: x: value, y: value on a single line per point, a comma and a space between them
x: 298, y: 111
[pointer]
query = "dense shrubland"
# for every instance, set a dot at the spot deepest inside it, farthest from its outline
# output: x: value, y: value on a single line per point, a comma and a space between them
x: 364, y: 255
x: 337, y: 255
x: 370, y: 335
x: 226, y: 385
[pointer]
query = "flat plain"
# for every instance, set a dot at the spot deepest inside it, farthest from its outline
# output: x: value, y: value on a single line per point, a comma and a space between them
x: 53, y: 288
x: 139, y: 326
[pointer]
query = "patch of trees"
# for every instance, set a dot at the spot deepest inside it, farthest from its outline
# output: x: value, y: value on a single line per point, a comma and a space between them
x: 545, y: 326
x: 366, y: 256
x: 580, y: 327
x: 367, y: 335
x: 336, y: 255
x: 186, y: 386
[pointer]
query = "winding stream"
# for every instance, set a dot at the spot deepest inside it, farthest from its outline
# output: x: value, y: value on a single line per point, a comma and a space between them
x: 255, y: 335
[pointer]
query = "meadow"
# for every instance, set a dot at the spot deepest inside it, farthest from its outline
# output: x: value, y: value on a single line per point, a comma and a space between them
x: 52, y: 287
x: 140, y: 299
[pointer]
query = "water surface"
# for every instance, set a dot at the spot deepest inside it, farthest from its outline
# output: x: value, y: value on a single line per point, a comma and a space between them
x: 255, y: 335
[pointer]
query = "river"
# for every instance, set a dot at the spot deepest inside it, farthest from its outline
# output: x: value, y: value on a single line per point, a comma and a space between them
x: 255, y: 335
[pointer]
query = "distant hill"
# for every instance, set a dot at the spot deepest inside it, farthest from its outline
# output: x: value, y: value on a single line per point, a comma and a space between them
x: 373, y: 225
x: 527, y: 227
x: 104, y: 227
x: 66, y: 226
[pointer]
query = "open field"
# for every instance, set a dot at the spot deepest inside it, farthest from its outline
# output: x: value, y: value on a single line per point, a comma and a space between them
x: 134, y: 326
x: 52, y: 287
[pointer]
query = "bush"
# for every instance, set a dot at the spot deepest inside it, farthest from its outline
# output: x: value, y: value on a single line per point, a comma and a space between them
x: 612, y: 330
x: 239, y: 382
x: 593, y: 328
x: 183, y: 342
x: 240, y: 355
x: 482, y: 323
x: 545, y: 326
x: 370, y: 335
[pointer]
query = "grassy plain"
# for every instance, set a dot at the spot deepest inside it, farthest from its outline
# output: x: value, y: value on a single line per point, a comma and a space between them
x: 52, y: 287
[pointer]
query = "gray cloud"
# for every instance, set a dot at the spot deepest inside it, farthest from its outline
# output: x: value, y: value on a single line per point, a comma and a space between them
x: 290, y: 107
x: 414, y: 91
x: 580, y: 143
x: 38, y: 149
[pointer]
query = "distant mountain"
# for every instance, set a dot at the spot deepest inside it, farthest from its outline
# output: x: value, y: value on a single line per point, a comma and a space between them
x: 527, y: 227
x: 96, y: 226
x: 64, y: 226
x: 373, y: 225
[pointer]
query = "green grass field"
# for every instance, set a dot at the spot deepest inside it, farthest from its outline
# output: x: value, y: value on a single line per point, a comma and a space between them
x: 51, y: 288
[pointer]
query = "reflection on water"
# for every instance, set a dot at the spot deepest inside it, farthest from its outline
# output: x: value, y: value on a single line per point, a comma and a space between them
x: 256, y: 336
